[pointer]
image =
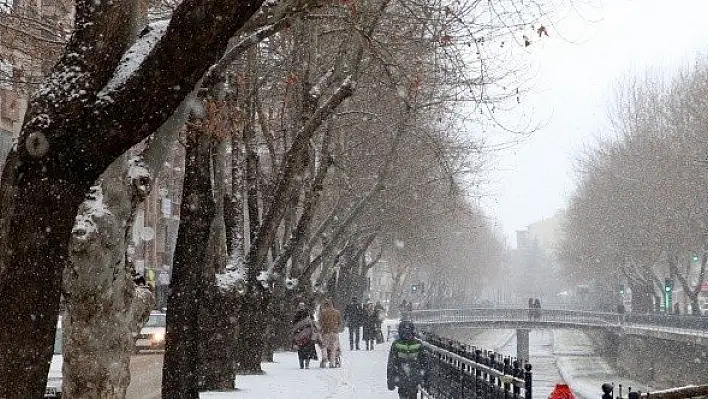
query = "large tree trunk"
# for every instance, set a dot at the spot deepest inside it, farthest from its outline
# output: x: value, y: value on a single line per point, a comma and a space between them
x: 35, y: 254
x: 182, y: 361
x: 73, y: 130
x: 99, y: 291
x: 219, y: 306
x: 102, y: 272
x: 252, y: 321
x: 253, y: 317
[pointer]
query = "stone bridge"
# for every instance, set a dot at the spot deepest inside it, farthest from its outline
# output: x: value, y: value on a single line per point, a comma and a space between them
x: 634, y: 340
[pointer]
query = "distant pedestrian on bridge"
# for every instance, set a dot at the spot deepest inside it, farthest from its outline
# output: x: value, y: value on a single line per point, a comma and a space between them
x: 537, y: 309
x: 407, y: 365
x: 531, y: 308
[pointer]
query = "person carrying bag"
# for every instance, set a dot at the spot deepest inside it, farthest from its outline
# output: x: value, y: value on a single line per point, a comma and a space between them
x: 302, y: 332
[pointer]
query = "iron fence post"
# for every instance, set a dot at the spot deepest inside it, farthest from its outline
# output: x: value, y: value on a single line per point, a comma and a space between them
x: 528, y: 383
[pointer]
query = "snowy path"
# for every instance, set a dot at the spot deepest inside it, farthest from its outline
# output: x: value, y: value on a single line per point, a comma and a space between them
x: 557, y: 356
x: 362, y: 375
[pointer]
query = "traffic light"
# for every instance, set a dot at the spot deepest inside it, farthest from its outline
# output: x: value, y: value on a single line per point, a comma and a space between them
x: 621, y: 289
x: 694, y: 258
x: 668, y: 285
x: 414, y: 288
x: 668, y: 294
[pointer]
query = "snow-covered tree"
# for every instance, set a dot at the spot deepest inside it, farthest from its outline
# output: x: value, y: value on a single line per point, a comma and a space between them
x: 102, y: 97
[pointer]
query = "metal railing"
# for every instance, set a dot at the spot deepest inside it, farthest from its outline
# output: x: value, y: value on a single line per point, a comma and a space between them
x: 685, y: 324
x: 456, y: 370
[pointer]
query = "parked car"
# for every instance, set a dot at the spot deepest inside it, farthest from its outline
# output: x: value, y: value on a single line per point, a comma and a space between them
x: 54, y: 380
x: 152, y: 335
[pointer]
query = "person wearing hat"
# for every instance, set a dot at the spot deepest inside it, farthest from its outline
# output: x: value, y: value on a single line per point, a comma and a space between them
x: 407, y: 365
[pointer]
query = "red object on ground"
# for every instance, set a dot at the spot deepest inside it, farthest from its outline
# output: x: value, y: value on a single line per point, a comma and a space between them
x: 562, y: 391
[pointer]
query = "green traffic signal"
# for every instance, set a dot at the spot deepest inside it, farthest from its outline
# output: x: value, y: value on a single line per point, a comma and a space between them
x: 668, y: 285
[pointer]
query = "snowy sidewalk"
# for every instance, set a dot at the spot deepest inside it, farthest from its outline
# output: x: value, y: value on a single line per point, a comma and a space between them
x: 362, y: 375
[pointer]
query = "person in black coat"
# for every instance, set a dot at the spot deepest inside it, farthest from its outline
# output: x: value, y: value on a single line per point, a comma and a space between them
x: 353, y: 315
x: 407, y: 362
x: 370, y: 325
x: 303, y: 329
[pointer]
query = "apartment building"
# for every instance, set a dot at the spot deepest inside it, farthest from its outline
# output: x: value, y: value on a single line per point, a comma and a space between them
x: 32, y: 35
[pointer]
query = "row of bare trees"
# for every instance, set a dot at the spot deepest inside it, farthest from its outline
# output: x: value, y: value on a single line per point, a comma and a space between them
x: 317, y: 136
x: 639, y: 214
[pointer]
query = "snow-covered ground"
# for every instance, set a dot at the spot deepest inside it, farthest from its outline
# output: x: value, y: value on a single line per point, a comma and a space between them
x: 557, y: 356
x: 582, y: 368
x: 362, y: 375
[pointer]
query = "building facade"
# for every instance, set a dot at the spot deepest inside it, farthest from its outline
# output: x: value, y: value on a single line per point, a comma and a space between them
x: 32, y: 36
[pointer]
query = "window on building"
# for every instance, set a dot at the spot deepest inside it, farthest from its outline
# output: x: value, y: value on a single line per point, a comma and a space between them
x: 5, y: 146
x: 6, y: 70
x: 6, y: 5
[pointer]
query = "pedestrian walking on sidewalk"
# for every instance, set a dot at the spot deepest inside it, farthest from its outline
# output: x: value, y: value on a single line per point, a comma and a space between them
x: 407, y: 365
x: 330, y: 335
x: 302, y: 332
x: 371, y: 322
x: 353, y: 315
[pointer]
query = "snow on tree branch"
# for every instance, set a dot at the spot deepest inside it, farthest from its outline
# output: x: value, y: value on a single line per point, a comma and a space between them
x: 256, y: 37
x: 134, y: 57
x: 231, y: 281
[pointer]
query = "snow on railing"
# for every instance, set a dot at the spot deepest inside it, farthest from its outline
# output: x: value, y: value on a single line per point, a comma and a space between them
x: 456, y: 370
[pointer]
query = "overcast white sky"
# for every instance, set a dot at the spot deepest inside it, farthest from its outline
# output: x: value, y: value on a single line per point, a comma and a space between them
x: 576, y: 76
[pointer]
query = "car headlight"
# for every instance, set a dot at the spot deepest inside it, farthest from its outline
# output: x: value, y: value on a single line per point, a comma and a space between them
x: 157, y: 337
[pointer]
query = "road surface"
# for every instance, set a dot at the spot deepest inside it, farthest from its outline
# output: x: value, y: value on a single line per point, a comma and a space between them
x: 145, y: 376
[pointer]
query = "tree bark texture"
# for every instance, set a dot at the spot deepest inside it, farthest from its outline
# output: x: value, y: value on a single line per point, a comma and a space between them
x: 218, y: 313
x: 104, y: 306
x: 252, y: 321
x: 69, y: 138
x: 181, y: 368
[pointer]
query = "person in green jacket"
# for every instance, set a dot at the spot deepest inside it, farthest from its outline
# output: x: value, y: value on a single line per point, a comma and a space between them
x: 407, y: 366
